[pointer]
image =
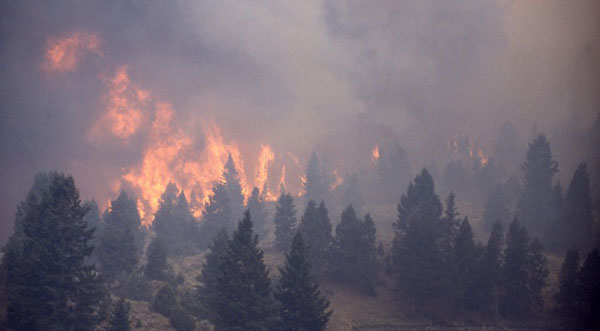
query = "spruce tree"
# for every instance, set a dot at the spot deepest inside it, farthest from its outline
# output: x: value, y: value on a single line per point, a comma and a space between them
x: 467, y: 256
x: 120, y: 238
x: 490, y: 270
x: 354, y: 255
x: 47, y: 284
x: 216, y: 215
x: 567, y: 299
x: 285, y: 221
x: 256, y: 206
x: 524, y: 274
x: 234, y: 189
x: 120, y: 320
x: 207, y: 295
x: 315, y: 227
x: 536, y: 208
x: 315, y: 187
x: 417, y: 260
x: 578, y: 220
x: 157, y: 266
x: 302, y: 307
x: 243, y: 284
x: 589, y: 290
x: 173, y: 221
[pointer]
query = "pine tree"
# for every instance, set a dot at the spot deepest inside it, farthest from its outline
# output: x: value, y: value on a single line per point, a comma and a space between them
x: 157, y: 266
x: 120, y: 317
x: 567, y: 297
x: 243, y: 284
x: 234, y: 189
x: 216, y: 215
x: 173, y: 221
x: 589, y: 291
x: 315, y: 227
x: 354, y: 256
x: 207, y: 295
x: 165, y: 300
x: 536, y: 208
x: 120, y: 238
x: 579, y: 222
x: 314, y: 186
x: 507, y: 150
x: 524, y: 273
x: 256, y: 206
x: 466, y: 256
x: 417, y: 259
x: 47, y: 284
x: 490, y: 270
x: 285, y: 221
x: 302, y: 307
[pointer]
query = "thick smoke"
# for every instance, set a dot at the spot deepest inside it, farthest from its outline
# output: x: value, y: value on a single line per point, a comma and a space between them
x: 338, y: 77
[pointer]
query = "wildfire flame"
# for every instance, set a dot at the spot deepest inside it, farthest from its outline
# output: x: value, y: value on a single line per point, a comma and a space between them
x: 125, y: 106
x: 265, y: 159
x: 169, y: 154
x: 338, y: 180
x: 64, y: 54
x: 375, y: 154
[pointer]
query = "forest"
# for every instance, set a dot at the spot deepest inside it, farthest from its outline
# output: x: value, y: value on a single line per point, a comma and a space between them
x: 265, y: 165
x: 253, y: 264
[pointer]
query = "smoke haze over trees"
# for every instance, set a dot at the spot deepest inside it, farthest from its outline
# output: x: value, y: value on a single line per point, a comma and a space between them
x: 180, y: 164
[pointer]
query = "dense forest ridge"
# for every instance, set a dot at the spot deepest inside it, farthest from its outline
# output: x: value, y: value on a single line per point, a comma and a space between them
x: 68, y: 267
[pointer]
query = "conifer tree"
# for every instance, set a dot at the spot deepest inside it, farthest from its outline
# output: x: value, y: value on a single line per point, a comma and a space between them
x: 243, y: 284
x: 355, y: 256
x: 578, y: 220
x: 234, y: 189
x: 302, y: 307
x: 120, y: 238
x: 315, y: 227
x: 536, y: 207
x: 417, y: 259
x: 489, y: 275
x: 589, y: 291
x: 314, y: 186
x: 285, y: 221
x: 120, y: 320
x: 157, y: 266
x: 207, y: 295
x: 216, y: 215
x: 567, y: 298
x: 466, y: 257
x: 173, y: 221
x: 47, y: 285
x: 256, y: 206
x: 524, y: 273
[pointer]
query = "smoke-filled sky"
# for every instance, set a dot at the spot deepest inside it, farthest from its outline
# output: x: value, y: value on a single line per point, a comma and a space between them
x: 133, y: 94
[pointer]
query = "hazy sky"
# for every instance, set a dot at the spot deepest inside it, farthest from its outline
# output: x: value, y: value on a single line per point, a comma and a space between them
x: 295, y: 75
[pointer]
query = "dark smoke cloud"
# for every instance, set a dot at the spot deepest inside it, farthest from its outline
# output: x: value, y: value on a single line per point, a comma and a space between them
x: 315, y: 74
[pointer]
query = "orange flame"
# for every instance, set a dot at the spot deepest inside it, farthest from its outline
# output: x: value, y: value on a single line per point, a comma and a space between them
x: 125, y: 107
x: 265, y: 159
x: 64, y: 54
x: 375, y: 154
x: 482, y: 157
x: 338, y: 180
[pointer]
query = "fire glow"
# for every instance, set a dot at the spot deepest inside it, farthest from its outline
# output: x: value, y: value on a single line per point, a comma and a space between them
x: 64, y: 54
